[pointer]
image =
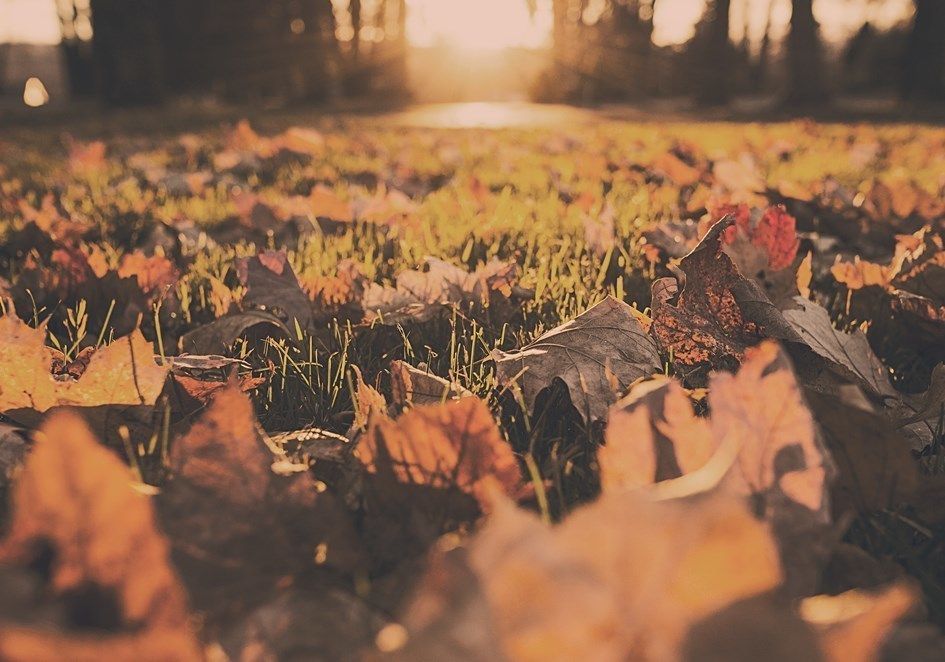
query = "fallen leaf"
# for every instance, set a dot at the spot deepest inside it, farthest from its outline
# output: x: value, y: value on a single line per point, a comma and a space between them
x: 850, y: 352
x: 271, y: 286
x: 77, y: 497
x: 597, y: 355
x: 413, y: 386
x: 876, y: 470
x: 622, y: 578
x: 717, y: 315
x: 853, y: 625
x: 122, y: 373
x: 234, y: 546
x: 491, y: 290
x: 219, y: 335
x: 455, y: 444
x: 760, y: 443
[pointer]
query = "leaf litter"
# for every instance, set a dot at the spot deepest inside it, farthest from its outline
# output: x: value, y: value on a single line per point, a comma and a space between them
x: 325, y: 395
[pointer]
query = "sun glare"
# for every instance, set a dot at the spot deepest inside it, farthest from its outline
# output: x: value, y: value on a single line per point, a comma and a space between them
x: 478, y: 24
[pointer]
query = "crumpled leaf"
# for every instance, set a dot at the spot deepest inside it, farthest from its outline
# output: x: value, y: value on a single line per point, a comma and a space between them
x: 717, y: 314
x: 597, y: 355
x: 122, y: 373
x: 763, y: 244
x: 413, y: 386
x: 77, y: 497
x: 455, y: 444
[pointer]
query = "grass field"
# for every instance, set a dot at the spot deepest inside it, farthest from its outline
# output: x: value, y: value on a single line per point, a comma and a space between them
x: 318, y: 256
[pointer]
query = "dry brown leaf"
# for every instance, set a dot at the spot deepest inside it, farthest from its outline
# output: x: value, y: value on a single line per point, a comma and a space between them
x: 707, y: 327
x: 597, y: 355
x: 456, y: 444
x: 271, y: 522
x: 491, y: 290
x: 155, y: 274
x: 77, y: 496
x: 851, y: 352
x: 759, y: 413
x: 623, y: 578
x: 271, y: 286
x: 413, y: 386
x: 600, y: 233
x: 876, y: 468
x: 122, y: 373
x: 368, y: 401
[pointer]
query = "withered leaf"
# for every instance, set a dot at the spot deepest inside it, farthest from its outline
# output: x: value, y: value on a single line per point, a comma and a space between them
x: 597, y: 355
x: 422, y: 294
x: 876, y: 468
x: 122, y: 373
x: 622, y: 578
x: 271, y: 286
x: 717, y: 315
x: 850, y: 352
x: 233, y: 544
x: 455, y: 444
x: 760, y: 443
x: 77, y: 497
x: 219, y: 335
x: 413, y: 386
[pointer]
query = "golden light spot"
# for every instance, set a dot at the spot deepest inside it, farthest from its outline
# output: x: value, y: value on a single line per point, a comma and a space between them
x: 392, y: 637
x: 35, y: 93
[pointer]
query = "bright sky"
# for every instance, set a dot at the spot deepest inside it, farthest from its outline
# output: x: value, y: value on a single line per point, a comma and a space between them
x: 33, y: 21
x: 490, y: 24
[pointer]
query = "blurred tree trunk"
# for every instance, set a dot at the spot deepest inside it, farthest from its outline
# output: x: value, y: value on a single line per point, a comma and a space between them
x: 760, y: 73
x: 356, y: 23
x: 925, y: 53
x: 807, y: 84
x: 714, y: 53
x: 127, y: 49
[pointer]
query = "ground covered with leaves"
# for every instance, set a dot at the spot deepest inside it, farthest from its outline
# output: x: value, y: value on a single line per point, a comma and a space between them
x: 354, y: 391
